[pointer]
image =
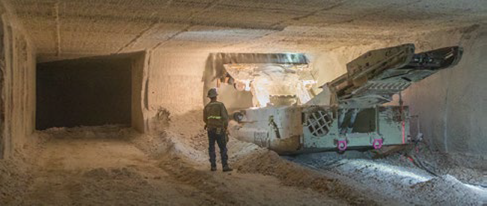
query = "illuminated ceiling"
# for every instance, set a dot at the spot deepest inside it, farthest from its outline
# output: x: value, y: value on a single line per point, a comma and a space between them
x: 66, y: 28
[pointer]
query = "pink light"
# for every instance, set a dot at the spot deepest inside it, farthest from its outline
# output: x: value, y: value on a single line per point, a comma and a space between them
x: 403, y: 132
x: 403, y: 124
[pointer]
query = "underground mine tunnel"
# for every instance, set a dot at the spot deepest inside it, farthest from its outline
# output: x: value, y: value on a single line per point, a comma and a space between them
x: 330, y: 102
x: 102, y: 90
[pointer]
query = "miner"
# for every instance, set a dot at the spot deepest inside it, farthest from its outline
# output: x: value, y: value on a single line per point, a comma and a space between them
x: 215, y: 116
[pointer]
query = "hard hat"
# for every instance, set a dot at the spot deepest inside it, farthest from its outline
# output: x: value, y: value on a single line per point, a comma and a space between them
x: 212, y: 93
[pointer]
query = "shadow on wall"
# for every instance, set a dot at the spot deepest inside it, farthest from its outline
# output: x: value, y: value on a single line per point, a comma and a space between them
x: 215, y: 69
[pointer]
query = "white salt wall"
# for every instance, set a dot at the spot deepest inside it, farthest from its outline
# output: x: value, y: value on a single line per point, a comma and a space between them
x: 175, y: 80
x: 17, y: 66
x: 453, y: 103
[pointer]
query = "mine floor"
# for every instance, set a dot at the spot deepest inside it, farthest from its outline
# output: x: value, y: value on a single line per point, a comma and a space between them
x: 393, y: 179
x: 114, y: 165
x: 100, y: 171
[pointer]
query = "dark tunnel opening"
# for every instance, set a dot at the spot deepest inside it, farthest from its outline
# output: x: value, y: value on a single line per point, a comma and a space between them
x: 84, y: 92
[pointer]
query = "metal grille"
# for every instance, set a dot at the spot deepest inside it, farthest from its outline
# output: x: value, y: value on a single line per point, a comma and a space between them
x: 319, y: 123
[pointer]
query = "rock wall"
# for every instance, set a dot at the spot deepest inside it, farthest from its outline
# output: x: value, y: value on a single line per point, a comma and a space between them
x: 139, y: 75
x: 17, y: 82
x: 175, y: 80
x: 166, y: 83
x: 453, y: 104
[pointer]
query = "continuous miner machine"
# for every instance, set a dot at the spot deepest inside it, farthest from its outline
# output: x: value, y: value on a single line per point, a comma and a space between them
x: 350, y: 112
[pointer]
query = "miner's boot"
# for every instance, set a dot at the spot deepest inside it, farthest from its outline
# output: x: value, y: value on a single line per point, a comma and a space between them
x: 226, y: 168
x: 213, y: 168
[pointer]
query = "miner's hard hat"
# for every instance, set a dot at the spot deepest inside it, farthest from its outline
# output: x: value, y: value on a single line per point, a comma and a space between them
x: 212, y: 93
